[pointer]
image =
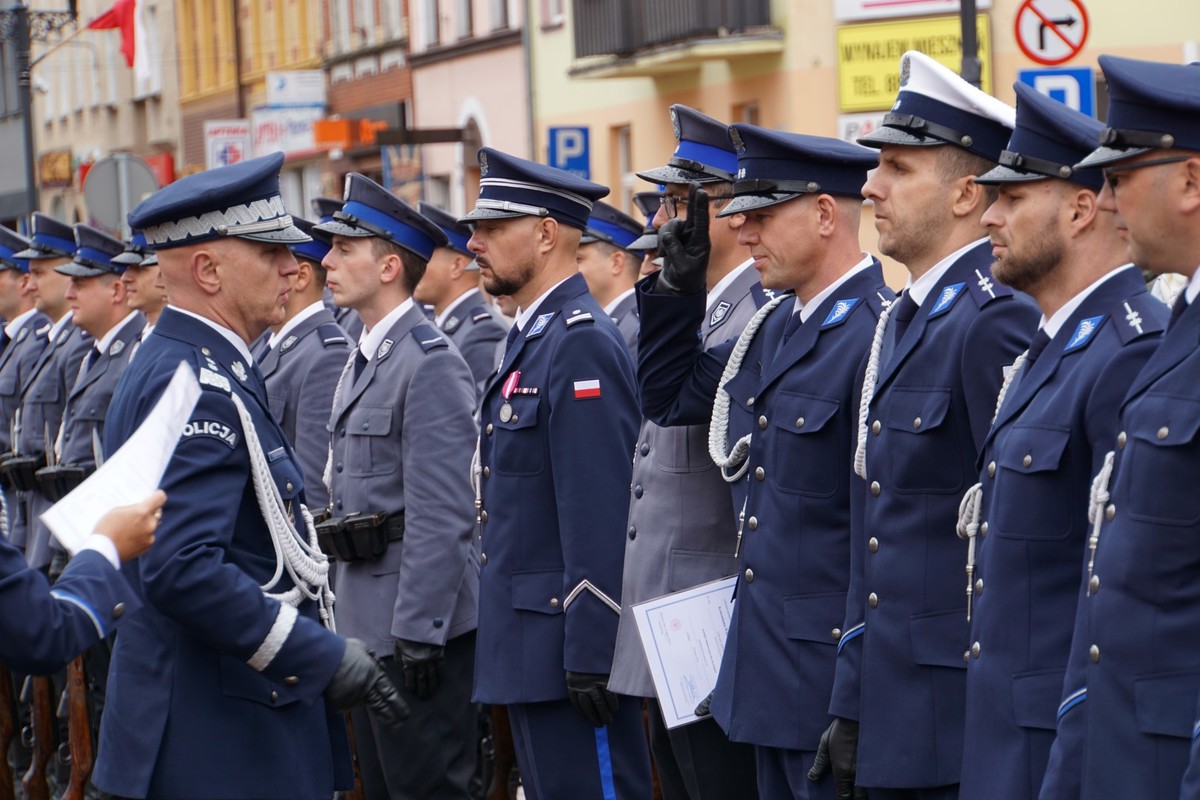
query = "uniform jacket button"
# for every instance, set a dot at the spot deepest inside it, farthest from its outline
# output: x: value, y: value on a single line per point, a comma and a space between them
x: 983, y: 529
x: 991, y: 469
x: 836, y: 633
x: 118, y: 611
x: 762, y: 423
x: 483, y: 558
x: 917, y: 424
x: 438, y: 622
x: 274, y: 697
x: 483, y: 517
x: 554, y: 602
x: 1110, y: 512
x: 632, y: 532
x: 979, y: 586
x: 800, y: 422
x: 1094, y: 653
x: 752, y: 523
x: 487, y: 472
x: 1027, y: 460
x: 873, y: 545
x: 749, y: 575
x: 1163, y: 432
x: 291, y: 487
x: 637, y: 491
x: 291, y: 680
x: 1121, y: 440
x: 873, y: 600
x: 1094, y: 584
x: 876, y: 427
x: 750, y: 400
x: 975, y: 649
x: 645, y: 449
x: 760, y: 473
x: 339, y: 467
x: 875, y: 488
x: 488, y: 429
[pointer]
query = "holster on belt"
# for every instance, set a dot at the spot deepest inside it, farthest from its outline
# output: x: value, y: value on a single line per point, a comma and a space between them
x: 20, y: 472
x: 359, y: 537
x: 56, y: 482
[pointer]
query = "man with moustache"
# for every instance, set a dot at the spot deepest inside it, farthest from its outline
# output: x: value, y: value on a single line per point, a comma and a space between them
x: 558, y: 420
x: 682, y: 526
x: 1129, y: 705
x: 929, y: 393
x: 1026, y: 521
x: 782, y: 427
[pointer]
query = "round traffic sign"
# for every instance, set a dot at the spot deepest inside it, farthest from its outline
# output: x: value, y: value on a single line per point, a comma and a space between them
x: 1051, y: 31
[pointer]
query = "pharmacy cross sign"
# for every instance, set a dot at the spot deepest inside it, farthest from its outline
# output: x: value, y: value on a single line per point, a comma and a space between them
x: 1051, y: 31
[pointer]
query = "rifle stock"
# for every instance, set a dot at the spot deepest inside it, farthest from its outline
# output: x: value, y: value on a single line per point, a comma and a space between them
x: 8, y: 732
x: 79, y: 731
x: 37, y: 695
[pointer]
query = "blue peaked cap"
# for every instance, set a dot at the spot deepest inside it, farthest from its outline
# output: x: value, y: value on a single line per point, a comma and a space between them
x: 611, y: 225
x: 94, y: 254
x: 1048, y: 140
x: 314, y: 250
x: 326, y: 207
x: 371, y: 210
x: 514, y: 187
x: 456, y: 232
x: 11, y: 243
x: 1150, y: 106
x: 241, y: 201
x: 49, y: 239
x: 702, y: 151
x: 774, y: 167
x: 135, y: 251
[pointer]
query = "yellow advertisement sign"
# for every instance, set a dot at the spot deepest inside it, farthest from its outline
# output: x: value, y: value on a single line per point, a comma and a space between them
x: 869, y: 56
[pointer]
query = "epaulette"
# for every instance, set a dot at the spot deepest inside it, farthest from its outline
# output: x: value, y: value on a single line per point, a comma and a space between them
x: 209, y: 373
x: 985, y: 289
x: 763, y: 296
x: 879, y: 300
x: 331, y: 334
x: 480, y: 314
x: 1138, y: 316
x: 428, y: 337
x: 841, y: 311
x: 43, y: 331
x: 577, y: 316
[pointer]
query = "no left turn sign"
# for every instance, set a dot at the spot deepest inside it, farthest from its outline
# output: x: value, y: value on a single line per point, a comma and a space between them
x: 1051, y: 31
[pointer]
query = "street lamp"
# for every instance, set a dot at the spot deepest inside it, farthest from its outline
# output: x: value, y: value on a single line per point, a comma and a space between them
x: 23, y: 26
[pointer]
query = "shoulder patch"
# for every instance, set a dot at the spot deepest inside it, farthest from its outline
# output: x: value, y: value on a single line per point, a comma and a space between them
x: 452, y: 324
x: 539, y: 325
x: 213, y: 429
x: 1138, y: 316
x: 209, y: 377
x: 1083, y: 333
x: 984, y: 288
x: 840, y: 312
x: 427, y: 336
x: 578, y: 315
x: 331, y: 335
x: 947, y: 299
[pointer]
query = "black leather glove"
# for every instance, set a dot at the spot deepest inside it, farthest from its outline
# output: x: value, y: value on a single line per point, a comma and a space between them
x: 360, y: 680
x: 704, y: 707
x: 422, y: 664
x: 838, y: 751
x: 684, y: 246
x: 590, y: 695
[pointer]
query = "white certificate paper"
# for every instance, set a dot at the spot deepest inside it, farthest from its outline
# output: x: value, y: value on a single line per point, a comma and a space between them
x: 683, y: 635
x: 133, y: 472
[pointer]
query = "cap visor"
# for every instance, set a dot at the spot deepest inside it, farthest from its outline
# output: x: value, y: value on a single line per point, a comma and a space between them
x: 748, y: 202
x: 474, y: 265
x: 885, y: 135
x: 289, y: 235
x: 1008, y: 175
x: 476, y: 214
x: 129, y: 258
x: 77, y: 270
x: 677, y: 175
x: 9, y: 265
x: 338, y: 228
x: 647, y: 241
x: 588, y: 238
x: 1100, y: 157
x: 33, y: 254
x: 150, y: 260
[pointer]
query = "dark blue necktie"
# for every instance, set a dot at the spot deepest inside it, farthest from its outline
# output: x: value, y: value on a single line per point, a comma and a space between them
x: 262, y: 351
x: 1181, y: 304
x: 793, y: 325
x: 1036, y: 346
x: 360, y: 363
x: 906, y: 309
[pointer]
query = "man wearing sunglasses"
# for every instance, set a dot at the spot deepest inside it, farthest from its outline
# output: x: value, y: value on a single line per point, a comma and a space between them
x: 1128, y: 714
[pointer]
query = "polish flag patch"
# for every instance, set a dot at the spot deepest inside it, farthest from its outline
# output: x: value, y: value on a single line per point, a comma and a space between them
x: 586, y: 389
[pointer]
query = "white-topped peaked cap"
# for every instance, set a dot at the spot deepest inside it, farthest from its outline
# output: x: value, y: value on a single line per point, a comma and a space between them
x: 936, y: 107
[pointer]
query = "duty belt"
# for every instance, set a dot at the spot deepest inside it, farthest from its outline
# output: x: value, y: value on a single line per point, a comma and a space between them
x: 359, y: 537
x: 58, y: 481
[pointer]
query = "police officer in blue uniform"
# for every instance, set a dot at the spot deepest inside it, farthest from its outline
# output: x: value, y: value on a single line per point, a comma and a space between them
x: 43, y: 628
x: 451, y: 286
x: 681, y: 527
x: 930, y: 386
x: 304, y: 358
x: 559, y: 422
x: 403, y: 435
x: 610, y: 268
x: 1127, y: 718
x: 225, y: 683
x: 1026, y: 523
x: 781, y: 427
x: 51, y: 246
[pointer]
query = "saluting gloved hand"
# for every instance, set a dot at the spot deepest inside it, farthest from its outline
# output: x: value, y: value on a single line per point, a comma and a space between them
x: 590, y: 695
x: 360, y: 680
x: 838, y: 751
x: 684, y: 246
x: 422, y: 664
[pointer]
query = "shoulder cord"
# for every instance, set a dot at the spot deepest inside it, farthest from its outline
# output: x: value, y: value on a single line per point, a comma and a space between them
x: 1008, y: 379
x: 870, y: 378
x: 718, y: 430
x: 303, y: 561
x: 1096, y: 511
x: 969, y: 510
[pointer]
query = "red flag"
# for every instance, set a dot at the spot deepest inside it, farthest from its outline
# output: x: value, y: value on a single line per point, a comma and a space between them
x: 123, y: 15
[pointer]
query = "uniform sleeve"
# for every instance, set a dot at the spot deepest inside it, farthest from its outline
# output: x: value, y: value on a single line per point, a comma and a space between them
x: 438, y: 441
x: 593, y: 424
x: 1000, y: 332
x: 677, y: 378
x: 41, y: 628
x: 312, y: 420
x: 188, y: 577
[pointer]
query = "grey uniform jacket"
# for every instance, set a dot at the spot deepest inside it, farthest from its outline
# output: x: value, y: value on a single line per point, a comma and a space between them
x: 626, y: 317
x: 403, y: 435
x: 16, y: 364
x: 301, y: 373
x: 475, y: 331
x: 682, y: 528
x: 92, y: 391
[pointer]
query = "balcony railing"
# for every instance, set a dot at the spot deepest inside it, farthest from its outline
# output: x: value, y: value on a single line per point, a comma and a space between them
x: 623, y: 27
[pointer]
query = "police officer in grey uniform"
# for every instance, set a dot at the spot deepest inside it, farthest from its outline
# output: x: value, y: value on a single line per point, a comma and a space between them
x: 610, y: 268
x: 304, y: 358
x: 45, y: 393
x: 403, y: 436
x: 324, y: 209
x: 682, y: 530
x: 451, y: 286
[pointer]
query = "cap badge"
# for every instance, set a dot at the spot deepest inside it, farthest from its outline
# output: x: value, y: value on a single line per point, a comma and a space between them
x: 905, y: 71
x: 483, y: 165
x: 675, y: 124
x: 736, y: 138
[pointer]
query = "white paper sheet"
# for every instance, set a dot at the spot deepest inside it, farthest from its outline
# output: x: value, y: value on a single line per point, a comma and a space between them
x: 131, y: 473
x: 683, y: 635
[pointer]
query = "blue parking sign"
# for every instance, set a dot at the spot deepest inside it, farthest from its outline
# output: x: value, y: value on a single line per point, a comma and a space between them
x: 569, y: 151
x: 1071, y: 86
